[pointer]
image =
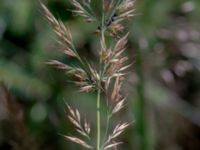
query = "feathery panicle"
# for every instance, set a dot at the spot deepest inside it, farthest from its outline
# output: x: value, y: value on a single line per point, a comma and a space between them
x: 79, y: 141
x: 112, y: 65
x: 61, y: 31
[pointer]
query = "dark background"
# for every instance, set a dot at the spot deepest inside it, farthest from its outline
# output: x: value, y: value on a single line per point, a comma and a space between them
x: 163, y: 84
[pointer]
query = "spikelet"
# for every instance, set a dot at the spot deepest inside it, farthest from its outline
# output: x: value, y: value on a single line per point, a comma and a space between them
x: 79, y: 141
x: 118, y: 106
x: 113, y: 144
x: 58, y: 65
x: 81, y: 11
x: 123, y: 11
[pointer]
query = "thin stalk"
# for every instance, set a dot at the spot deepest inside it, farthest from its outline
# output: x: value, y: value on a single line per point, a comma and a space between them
x: 99, y: 90
x: 98, y: 120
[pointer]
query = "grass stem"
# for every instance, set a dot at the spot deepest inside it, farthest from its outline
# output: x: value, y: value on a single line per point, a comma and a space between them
x: 98, y: 119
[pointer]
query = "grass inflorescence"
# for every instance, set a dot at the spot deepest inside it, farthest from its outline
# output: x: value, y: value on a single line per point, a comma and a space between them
x: 111, y: 71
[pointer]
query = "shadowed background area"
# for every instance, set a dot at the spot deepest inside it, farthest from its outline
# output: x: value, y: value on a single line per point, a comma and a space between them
x: 163, y: 84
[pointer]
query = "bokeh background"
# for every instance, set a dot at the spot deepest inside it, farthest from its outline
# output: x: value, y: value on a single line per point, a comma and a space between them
x: 163, y: 84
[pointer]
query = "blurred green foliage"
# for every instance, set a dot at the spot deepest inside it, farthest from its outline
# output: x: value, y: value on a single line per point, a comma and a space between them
x: 164, y: 39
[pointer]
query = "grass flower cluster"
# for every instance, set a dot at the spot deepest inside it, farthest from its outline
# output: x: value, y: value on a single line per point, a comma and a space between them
x: 108, y: 76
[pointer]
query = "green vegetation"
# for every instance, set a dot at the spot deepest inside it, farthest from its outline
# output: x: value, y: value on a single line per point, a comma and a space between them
x: 162, y: 85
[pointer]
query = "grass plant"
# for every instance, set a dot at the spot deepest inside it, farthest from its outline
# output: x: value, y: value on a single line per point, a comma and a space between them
x: 108, y: 76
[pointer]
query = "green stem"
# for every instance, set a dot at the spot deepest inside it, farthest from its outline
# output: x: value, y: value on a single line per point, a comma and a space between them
x: 98, y: 119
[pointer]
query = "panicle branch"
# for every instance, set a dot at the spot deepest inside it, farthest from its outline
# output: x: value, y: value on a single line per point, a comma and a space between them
x: 75, y: 119
x: 116, y: 132
x: 64, y: 35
